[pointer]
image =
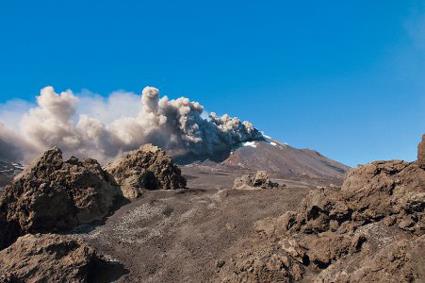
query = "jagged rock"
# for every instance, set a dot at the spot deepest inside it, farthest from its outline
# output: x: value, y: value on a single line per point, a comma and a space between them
x: 399, y: 261
x: 371, y: 229
x: 55, y: 195
x: 54, y: 258
x: 390, y: 192
x: 149, y: 168
x: 421, y: 153
x: 370, y: 193
x: 259, y: 180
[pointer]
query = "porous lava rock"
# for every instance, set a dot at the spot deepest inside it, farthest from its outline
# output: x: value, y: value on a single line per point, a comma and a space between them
x: 148, y: 168
x: 54, y: 195
x: 259, y: 180
x: 54, y: 258
x: 372, y: 229
x: 393, y: 191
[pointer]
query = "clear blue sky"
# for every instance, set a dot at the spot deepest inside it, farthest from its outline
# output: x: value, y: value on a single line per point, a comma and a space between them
x: 346, y: 78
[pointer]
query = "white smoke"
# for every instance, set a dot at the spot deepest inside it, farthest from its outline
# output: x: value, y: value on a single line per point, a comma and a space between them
x: 90, y: 125
x: 12, y: 146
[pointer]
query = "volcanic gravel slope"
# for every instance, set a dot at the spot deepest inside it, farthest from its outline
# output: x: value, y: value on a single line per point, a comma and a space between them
x: 183, y: 236
x: 283, y: 161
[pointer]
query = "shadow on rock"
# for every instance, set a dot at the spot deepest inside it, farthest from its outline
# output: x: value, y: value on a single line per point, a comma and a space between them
x: 103, y: 271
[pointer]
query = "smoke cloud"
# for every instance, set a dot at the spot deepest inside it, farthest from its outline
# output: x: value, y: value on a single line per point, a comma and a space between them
x: 89, y: 125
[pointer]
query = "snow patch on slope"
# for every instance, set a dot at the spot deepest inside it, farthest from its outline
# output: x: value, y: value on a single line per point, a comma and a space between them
x: 250, y: 143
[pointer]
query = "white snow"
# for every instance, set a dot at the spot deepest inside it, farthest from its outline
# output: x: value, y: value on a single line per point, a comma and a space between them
x: 18, y: 166
x: 251, y: 144
x: 266, y: 136
x: 273, y: 143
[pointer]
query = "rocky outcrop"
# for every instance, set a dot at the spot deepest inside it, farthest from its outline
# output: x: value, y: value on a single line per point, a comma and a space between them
x: 265, y: 263
x: 54, y: 195
x: 392, y: 191
x: 371, y: 229
x: 148, y: 168
x: 396, y: 261
x: 421, y: 153
x: 54, y: 258
x: 259, y: 180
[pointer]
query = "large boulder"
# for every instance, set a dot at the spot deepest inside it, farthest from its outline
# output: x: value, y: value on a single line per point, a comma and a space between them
x: 54, y: 195
x: 393, y: 191
x: 259, y: 180
x: 54, y: 258
x: 148, y: 168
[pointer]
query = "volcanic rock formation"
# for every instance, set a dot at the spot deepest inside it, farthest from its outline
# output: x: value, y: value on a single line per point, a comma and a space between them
x: 421, y: 153
x: 56, y: 195
x: 259, y: 180
x: 149, y: 168
x: 370, y: 230
x: 54, y: 258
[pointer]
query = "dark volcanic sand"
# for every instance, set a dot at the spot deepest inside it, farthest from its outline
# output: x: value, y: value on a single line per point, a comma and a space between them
x: 180, y: 236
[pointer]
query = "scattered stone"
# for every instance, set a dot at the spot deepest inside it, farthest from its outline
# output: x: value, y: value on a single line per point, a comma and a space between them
x: 55, y: 258
x: 54, y: 195
x: 259, y: 180
x: 148, y: 168
x: 220, y: 263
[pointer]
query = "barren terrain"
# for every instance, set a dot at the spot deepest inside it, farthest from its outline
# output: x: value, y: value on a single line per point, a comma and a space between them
x: 185, y: 236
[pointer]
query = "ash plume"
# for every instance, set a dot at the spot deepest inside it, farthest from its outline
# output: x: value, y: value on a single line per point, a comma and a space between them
x: 103, y: 128
x: 11, y: 146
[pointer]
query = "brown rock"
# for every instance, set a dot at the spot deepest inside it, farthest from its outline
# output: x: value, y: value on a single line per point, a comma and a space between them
x: 371, y: 229
x: 260, y: 180
x: 149, y: 168
x: 370, y: 193
x: 421, y: 153
x: 55, y: 195
x: 400, y: 261
x: 323, y: 249
x: 262, y: 265
x: 54, y: 258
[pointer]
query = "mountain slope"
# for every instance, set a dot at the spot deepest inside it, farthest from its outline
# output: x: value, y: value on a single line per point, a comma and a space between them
x: 285, y: 161
x: 7, y: 171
